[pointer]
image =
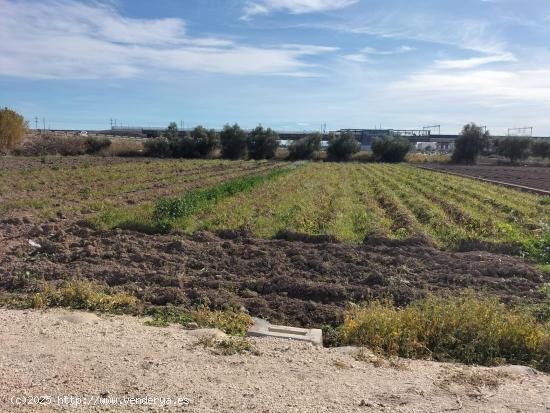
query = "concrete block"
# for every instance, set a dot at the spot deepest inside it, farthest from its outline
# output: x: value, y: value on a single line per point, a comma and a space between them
x: 262, y: 328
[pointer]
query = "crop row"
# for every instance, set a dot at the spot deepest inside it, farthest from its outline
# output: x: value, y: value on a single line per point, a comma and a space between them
x: 85, y: 188
x: 352, y: 201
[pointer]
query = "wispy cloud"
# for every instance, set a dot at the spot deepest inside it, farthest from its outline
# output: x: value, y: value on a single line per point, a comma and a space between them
x: 362, y: 55
x: 469, y: 34
x: 491, y: 87
x: 263, y: 7
x: 475, y: 61
x: 72, y: 40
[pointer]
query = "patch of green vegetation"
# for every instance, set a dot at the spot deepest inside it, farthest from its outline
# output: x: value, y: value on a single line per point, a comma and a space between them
x: 227, y: 346
x: 538, y: 248
x: 169, y: 210
x: 467, y: 328
x: 229, y: 321
x: 169, y: 213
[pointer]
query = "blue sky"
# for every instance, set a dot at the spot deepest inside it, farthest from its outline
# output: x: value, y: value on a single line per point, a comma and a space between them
x: 288, y: 64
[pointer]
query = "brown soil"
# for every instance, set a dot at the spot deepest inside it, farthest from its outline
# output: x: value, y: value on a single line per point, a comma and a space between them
x: 296, y: 280
x: 529, y: 176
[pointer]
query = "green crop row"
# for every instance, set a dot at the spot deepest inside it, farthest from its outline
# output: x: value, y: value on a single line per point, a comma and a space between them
x: 170, y: 213
x: 353, y: 201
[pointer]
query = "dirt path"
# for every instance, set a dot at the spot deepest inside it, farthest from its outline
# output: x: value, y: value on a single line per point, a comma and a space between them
x: 56, y: 354
x: 536, y: 178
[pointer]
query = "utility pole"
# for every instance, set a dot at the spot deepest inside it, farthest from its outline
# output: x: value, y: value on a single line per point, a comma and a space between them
x: 44, y: 124
x: 36, y: 122
x: 111, y: 123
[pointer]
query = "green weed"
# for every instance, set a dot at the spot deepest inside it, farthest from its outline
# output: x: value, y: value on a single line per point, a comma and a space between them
x: 229, y: 321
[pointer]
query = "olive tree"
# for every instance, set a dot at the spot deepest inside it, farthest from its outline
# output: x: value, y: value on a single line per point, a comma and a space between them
x: 306, y: 147
x: 471, y: 142
x: 262, y: 143
x: 342, y: 147
x: 390, y: 148
x: 514, y: 148
x: 233, y: 142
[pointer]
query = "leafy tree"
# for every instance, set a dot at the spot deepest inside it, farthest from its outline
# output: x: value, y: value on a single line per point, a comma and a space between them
x: 471, y: 142
x: 262, y: 143
x: 171, y: 131
x: 390, y: 148
x: 12, y: 128
x: 341, y: 147
x: 199, y: 143
x: 514, y: 148
x: 540, y: 148
x: 233, y: 142
x: 206, y: 141
x: 306, y: 147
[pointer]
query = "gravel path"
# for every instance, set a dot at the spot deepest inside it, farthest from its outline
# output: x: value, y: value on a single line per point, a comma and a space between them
x: 56, y: 353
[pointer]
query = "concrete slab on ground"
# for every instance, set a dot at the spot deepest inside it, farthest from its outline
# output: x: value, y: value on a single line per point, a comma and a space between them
x: 262, y: 328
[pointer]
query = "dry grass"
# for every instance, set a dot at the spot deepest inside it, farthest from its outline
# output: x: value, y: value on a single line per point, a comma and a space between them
x: 468, y: 329
x: 124, y: 147
x: 82, y: 295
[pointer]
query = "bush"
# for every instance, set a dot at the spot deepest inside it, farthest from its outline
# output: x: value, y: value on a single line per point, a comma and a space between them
x: 540, y: 148
x: 305, y: 148
x: 342, y: 147
x: 466, y: 328
x: 262, y: 143
x: 52, y: 145
x: 206, y: 141
x: 183, y: 147
x: 94, y: 144
x: 390, y: 148
x: 471, y: 142
x: 12, y: 128
x: 514, y: 148
x: 158, y: 147
x: 233, y: 142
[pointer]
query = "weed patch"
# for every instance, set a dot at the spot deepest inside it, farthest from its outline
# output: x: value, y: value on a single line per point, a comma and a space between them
x: 82, y: 295
x: 227, y: 346
x: 469, y: 329
x: 229, y: 321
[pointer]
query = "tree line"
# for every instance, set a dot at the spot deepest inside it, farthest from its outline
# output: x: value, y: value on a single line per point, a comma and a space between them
x: 475, y: 141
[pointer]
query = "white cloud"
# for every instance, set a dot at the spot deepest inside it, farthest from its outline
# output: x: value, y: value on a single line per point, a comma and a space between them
x: 488, y: 87
x: 475, y: 61
x: 262, y: 7
x: 72, y: 40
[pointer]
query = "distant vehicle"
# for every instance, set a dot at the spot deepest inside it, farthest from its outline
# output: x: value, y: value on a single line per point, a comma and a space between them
x: 83, y: 133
